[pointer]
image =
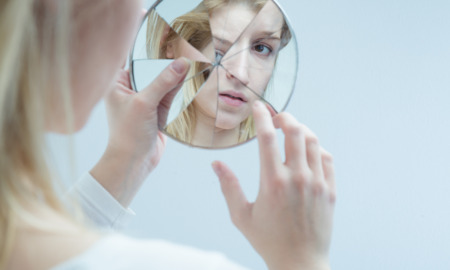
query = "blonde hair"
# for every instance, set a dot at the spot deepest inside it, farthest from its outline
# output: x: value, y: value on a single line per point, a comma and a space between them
x: 33, y: 44
x: 194, y: 28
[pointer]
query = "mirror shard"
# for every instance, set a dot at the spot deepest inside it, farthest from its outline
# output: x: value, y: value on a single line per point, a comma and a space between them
x: 240, y: 51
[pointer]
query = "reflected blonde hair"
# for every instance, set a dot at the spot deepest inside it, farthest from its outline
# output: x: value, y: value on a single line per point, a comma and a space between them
x: 33, y: 46
x: 194, y: 28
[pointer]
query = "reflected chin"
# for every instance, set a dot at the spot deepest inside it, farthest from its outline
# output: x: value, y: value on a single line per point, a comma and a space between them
x: 228, y: 121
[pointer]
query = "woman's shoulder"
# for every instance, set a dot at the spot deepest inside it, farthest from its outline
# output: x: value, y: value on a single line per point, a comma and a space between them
x: 116, y: 251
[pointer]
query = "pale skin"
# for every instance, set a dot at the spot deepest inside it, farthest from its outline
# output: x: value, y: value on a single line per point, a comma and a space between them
x: 290, y: 222
x: 296, y: 197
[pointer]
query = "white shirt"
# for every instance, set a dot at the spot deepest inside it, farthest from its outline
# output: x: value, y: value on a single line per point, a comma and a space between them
x: 98, y: 205
x: 115, y: 251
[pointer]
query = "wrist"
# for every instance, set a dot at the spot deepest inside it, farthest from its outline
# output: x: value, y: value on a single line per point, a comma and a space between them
x: 121, y: 173
x: 301, y: 267
x: 300, y: 264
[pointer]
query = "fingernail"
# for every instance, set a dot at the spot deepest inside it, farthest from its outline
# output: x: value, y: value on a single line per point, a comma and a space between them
x: 180, y: 66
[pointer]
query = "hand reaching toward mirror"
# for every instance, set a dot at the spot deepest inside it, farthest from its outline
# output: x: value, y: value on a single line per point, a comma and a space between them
x: 135, y: 144
x: 290, y: 222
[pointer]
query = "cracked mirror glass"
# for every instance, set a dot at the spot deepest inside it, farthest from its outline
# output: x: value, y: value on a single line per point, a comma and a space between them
x: 240, y: 51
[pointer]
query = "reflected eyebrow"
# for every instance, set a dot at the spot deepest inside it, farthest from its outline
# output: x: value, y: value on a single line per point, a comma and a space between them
x: 223, y: 41
x: 264, y: 34
x: 270, y: 35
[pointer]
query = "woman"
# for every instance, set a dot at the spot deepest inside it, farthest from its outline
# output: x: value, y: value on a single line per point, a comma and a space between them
x: 233, y: 63
x: 56, y: 65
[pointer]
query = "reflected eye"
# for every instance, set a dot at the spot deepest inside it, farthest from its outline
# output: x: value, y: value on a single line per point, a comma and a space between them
x: 262, y: 49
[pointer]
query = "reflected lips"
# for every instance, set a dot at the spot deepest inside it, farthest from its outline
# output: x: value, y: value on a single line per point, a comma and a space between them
x: 233, y: 98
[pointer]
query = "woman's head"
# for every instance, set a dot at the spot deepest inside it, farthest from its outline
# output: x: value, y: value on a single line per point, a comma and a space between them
x: 247, y: 37
x: 55, y: 65
x: 225, y: 29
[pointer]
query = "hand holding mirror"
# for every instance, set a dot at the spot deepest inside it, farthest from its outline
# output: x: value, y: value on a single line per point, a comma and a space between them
x: 240, y: 51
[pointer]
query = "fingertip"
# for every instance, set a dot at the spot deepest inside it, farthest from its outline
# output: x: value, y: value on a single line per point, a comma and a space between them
x: 180, y: 65
x: 259, y: 110
x: 257, y: 105
x: 216, y: 165
x: 271, y: 110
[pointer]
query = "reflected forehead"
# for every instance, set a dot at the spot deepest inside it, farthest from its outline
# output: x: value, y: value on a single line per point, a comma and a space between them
x: 231, y: 18
x: 269, y: 19
x: 230, y: 21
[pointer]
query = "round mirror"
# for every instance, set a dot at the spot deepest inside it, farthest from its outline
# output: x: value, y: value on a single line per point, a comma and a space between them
x: 240, y: 51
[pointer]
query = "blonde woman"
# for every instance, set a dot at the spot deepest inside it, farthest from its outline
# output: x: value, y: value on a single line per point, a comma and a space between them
x: 56, y: 64
x: 249, y: 56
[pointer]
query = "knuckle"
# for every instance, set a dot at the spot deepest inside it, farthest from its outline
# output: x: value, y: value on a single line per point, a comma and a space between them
x: 318, y: 188
x: 294, y: 129
x: 327, y: 156
x: 267, y: 136
x: 279, y: 181
x: 301, y: 177
x: 301, y: 184
x: 332, y: 197
x: 312, y: 139
x: 166, y: 79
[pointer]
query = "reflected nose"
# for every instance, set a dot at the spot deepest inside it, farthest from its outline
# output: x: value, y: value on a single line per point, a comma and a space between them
x: 237, y: 67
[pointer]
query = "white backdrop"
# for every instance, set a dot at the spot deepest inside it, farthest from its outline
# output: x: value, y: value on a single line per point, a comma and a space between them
x: 374, y: 84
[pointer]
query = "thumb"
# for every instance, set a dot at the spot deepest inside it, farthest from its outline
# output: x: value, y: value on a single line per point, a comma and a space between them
x: 169, y: 79
x: 237, y: 203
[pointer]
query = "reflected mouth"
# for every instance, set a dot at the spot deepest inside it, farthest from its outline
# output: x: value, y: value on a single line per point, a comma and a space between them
x: 232, y: 98
x: 234, y: 95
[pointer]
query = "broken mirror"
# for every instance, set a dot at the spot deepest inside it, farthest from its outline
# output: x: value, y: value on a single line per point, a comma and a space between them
x: 240, y: 51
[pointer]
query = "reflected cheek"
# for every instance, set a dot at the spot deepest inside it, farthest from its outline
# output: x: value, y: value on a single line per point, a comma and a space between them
x: 206, y: 100
x: 259, y: 80
x: 184, y: 49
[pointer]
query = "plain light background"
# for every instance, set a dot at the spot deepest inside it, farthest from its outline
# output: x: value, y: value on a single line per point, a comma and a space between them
x: 374, y: 85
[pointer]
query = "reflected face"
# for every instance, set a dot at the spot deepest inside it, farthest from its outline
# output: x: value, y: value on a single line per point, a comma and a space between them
x: 233, y: 46
x: 245, y: 48
x: 182, y: 48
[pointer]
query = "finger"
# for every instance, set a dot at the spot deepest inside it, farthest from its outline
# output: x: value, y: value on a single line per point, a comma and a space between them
x: 313, y: 153
x: 144, y: 12
x: 124, y: 78
x: 328, y: 169
x: 232, y: 191
x: 162, y: 137
x: 166, y: 81
x: 268, y: 147
x: 294, y: 141
x: 123, y: 87
x: 271, y: 110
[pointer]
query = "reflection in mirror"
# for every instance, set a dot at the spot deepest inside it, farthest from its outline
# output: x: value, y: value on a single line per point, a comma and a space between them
x: 241, y: 51
x: 201, y: 110
x: 182, y: 113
